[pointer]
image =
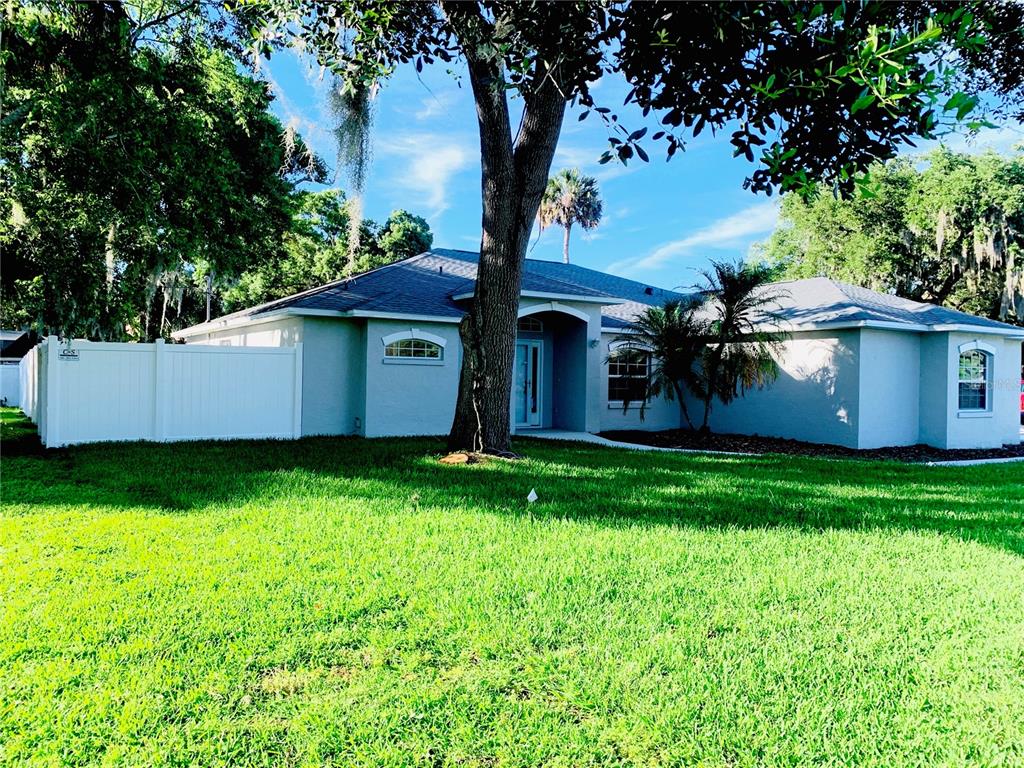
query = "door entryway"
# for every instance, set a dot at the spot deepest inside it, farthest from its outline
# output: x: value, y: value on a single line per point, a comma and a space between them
x: 526, y: 385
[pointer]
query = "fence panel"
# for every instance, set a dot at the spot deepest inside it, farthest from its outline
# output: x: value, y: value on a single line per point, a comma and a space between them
x: 97, y: 391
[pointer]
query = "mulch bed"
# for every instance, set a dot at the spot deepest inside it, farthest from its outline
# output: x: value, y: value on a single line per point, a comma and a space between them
x: 684, y: 438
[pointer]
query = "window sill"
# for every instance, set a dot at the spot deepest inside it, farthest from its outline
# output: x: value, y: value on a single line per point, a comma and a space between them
x: 411, y: 361
x: 974, y: 414
x: 617, y: 406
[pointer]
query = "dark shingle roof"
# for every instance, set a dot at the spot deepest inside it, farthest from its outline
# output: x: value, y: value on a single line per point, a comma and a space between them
x: 821, y: 300
x: 427, y: 284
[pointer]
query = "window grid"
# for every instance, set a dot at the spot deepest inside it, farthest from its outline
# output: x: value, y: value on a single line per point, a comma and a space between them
x: 417, y: 348
x: 628, y: 371
x: 973, y: 380
x: 530, y: 324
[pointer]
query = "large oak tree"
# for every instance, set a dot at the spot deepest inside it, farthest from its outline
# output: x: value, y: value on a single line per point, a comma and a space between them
x: 811, y: 92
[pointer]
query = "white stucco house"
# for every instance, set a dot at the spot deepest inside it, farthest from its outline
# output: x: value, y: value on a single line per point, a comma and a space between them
x: 381, y: 357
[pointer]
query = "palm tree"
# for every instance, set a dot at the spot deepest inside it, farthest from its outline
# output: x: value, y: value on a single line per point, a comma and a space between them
x: 675, y: 336
x: 570, y: 198
x: 740, y: 353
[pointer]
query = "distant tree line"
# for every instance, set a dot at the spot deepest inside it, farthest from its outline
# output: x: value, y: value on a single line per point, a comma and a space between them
x: 947, y: 228
x: 142, y: 172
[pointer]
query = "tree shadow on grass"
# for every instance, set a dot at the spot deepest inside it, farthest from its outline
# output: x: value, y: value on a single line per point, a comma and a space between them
x: 576, y: 481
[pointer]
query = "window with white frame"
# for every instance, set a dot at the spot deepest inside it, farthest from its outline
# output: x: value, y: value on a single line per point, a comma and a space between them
x: 413, y: 348
x: 628, y: 371
x: 530, y: 324
x: 975, y: 371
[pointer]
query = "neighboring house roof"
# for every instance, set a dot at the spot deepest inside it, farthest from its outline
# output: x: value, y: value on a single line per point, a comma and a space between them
x: 16, y: 344
x: 435, y: 286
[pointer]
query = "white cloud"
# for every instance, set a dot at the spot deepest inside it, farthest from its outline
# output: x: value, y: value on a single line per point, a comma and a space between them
x: 429, y: 161
x: 588, y: 160
x: 727, y: 232
x: 436, y: 105
x: 569, y: 156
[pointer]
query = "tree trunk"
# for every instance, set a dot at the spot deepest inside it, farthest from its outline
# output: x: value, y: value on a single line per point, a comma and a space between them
x: 680, y: 393
x: 565, y: 246
x: 710, y: 385
x: 513, y: 177
x: 163, y: 314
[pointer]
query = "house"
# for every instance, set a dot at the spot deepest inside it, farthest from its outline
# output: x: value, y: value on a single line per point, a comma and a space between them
x: 381, y: 356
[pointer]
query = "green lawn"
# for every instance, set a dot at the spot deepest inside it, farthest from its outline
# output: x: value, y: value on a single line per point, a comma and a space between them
x: 347, y: 602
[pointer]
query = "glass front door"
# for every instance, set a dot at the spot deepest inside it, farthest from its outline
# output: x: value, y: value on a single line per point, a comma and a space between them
x: 526, y: 385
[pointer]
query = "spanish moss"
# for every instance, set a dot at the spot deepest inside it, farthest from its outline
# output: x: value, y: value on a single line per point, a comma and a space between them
x: 352, y: 107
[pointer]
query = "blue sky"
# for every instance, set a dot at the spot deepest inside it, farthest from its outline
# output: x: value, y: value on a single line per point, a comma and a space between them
x: 662, y: 220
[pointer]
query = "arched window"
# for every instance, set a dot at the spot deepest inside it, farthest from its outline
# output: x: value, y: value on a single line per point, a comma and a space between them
x: 975, y: 380
x: 628, y: 371
x: 413, y: 346
x: 530, y: 324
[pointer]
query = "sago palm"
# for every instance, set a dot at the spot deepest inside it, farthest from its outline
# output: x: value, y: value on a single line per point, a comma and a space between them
x: 675, y: 336
x: 570, y: 198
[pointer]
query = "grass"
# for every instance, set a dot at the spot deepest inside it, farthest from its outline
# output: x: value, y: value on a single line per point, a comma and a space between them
x: 355, y: 603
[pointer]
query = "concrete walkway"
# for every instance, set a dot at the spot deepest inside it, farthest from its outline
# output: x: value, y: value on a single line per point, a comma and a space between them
x: 973, y: 462
x: 587, y: 437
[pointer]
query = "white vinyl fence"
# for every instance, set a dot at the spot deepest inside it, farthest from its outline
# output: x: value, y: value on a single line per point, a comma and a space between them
x: 89, y: 392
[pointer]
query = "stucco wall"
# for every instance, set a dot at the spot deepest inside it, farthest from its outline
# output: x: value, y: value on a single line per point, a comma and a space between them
x: 659, y: 414
x: 815, y: 397
x: 933, y: 400
x: 333, y: 376
x: 890, y: 373
x: 276, y: 333
x: 410, y: 398
x: 942, y: 423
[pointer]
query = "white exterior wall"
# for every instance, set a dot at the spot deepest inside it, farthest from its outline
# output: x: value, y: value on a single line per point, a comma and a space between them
x: 815, y: 397
x: 890, y: 376
x: 410, y: 398
x: 659, y: 414
x: 286, y: 332
x: 942, y: 423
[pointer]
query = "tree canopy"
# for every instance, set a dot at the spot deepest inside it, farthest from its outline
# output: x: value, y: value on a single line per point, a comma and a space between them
x: 138, y: 160
x: 316, y: 249
x: 135, y: 159
x: 947, y: 228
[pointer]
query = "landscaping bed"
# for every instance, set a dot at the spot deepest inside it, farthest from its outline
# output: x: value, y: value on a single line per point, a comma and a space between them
x: 915, y: 454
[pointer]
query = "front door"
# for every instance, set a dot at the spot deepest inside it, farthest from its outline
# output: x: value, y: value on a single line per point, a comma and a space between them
x: 526, y: 386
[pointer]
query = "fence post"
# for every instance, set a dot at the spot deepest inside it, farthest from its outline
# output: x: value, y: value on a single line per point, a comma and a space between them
x: 159, y: 391
x: 52, y: 383
x: 297, y: 399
